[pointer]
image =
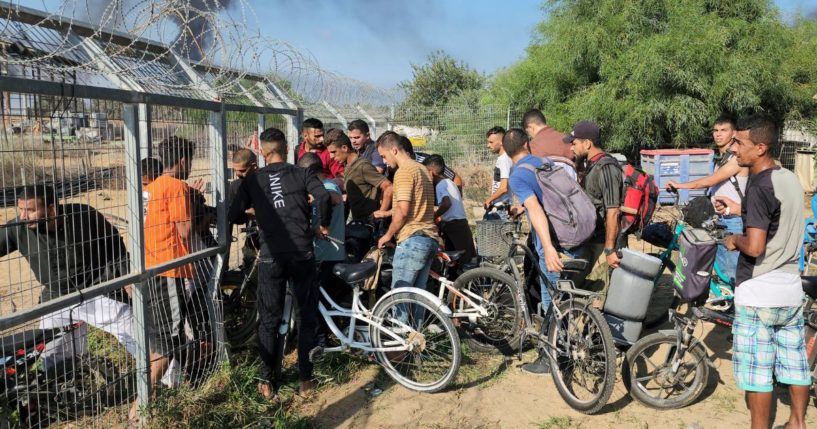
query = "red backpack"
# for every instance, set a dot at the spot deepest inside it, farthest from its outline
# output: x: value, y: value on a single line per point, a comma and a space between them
x: 640, y: 197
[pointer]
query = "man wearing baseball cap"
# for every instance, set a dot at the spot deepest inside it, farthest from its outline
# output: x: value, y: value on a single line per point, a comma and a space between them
x: 603, y: 181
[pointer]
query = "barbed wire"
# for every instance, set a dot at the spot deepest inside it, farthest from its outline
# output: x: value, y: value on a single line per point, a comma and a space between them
x: 148, y: 43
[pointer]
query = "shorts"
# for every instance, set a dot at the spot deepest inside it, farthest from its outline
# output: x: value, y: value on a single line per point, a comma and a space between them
x: 769, y: 342
x: 166, y: 311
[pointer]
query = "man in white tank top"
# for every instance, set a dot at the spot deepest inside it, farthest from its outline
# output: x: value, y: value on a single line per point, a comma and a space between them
x: 727, y: 186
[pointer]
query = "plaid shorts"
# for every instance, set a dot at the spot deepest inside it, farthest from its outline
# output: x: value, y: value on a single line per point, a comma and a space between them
x: 769, y: 341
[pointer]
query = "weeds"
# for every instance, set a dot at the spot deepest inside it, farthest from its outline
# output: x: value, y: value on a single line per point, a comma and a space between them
x: 556, y: 422
x: 228, y: 399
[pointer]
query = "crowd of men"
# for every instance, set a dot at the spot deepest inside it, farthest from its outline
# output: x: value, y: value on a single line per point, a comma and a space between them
x: 342, y: 182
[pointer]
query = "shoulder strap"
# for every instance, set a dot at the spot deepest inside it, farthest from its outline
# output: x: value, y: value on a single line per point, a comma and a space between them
x: 563, y: 160
x: 530, y: 167
x: 723, y: 160
x: 605, y: 159
x: 734, y: 181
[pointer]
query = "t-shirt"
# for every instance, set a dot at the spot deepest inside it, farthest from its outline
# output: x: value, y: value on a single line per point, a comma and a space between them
x: 727, y: 189
x: 167, y: 202
x: 548, y: 142
x: 502, y: 170
x: 773, y: 289
x: 447, y: 188
x: 412, y: 183
x: 327, y: 250
x: 362, y: 183
x: 523, y: 183
x: 84, y: 249
x: 279, y: 193
x: 331, y: 168
x: 604, y: 184
x: 370, y: 153
x: 774, y: 203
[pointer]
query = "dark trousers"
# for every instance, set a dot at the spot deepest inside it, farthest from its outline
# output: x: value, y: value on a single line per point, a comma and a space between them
x: 273, y: 274
x: 457, y: 236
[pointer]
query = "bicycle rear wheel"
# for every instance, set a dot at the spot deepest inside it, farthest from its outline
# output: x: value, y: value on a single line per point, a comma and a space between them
x: 433, y: 358
x: 584, y: 369
x: 501, y: 328
x: 649, y: 373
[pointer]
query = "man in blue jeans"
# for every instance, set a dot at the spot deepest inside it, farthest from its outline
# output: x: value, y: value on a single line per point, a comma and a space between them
x: 412, y: 214
x: 524, y: 185
x: 727, y: 186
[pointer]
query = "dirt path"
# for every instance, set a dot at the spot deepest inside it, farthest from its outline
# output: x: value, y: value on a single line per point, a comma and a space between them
x: 491, y: 392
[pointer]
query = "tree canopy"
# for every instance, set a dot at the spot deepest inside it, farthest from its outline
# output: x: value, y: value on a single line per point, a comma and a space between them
x: 438, y: 81
x: 656, y: 73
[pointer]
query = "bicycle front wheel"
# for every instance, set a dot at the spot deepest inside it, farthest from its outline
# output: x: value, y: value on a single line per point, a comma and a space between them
x: 240, y: 309
x: 432, y: 358
x: 584, y: 369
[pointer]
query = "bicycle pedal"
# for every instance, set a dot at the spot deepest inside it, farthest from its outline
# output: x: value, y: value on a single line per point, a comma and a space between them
x: 315, y: 354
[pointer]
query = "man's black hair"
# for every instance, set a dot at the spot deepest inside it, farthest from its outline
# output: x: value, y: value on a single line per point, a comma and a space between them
x: 311, y: 163
x: 391, y: 139
x: 435, y: 163
x: 41, y: 192
x: 533, y: 116
x: 336, y: 137
x: 725, y: 119
x: 244, y: 156
x: 495, y: 130
x: 514, y: 141
x: 313, y: 123
x: 274, y: 141
x: 360, y: 125
x: 152, y: 168
x: 173, y: 149
x: 762, y: 129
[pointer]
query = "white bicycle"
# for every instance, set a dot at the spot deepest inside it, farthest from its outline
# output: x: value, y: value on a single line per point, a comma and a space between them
x: 408, y: 330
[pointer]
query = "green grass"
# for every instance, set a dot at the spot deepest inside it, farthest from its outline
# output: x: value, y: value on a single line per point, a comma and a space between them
x: 230, y: 397
x: 556, y: 422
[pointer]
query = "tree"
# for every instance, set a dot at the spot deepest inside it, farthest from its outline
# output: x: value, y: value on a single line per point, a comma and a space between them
x: 438, y: 81
x: 656, y: 73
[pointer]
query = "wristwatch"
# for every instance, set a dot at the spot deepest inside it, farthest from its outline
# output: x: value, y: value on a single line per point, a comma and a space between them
x: 608, y: 251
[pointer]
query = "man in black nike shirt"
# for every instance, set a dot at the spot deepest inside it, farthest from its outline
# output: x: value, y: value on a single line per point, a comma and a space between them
x: 278, y: 193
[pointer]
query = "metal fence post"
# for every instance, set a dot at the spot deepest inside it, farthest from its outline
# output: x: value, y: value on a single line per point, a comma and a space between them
x: 390, y: 122
x: 218, y: 158
x: 372, y: 124
x: 145, y: 135
x: 136, y: 231
x: 508, y: 119
x: 262, y: 125
x: 294, y: 133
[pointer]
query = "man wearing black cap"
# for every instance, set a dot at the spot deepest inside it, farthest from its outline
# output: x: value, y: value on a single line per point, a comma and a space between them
x: 604, y: 183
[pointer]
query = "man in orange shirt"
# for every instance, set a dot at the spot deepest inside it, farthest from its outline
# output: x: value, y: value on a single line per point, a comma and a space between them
x: 168, y: 233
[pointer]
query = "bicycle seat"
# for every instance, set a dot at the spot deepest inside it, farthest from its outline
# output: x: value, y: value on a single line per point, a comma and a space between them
x: 354, y: 273
x: 574, y: 265
x: 451, y: 256
x: 810, y: 286
x: 25, y: 340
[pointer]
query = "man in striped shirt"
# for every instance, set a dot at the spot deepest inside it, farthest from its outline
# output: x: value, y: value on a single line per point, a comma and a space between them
x: 412, y: 214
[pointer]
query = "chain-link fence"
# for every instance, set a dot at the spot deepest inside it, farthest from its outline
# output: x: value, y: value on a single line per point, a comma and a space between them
x: 113, y: 225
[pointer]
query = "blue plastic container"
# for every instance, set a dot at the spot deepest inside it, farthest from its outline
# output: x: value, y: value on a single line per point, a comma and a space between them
x: 680, y: 165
